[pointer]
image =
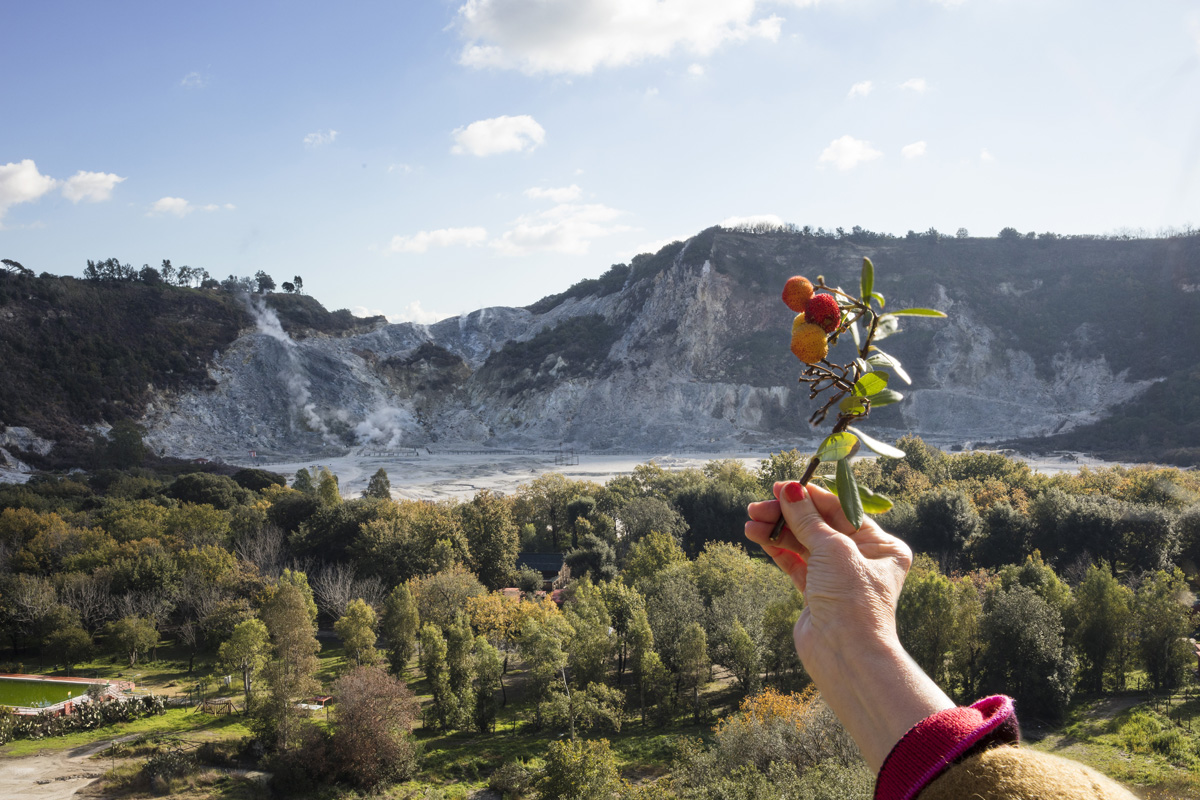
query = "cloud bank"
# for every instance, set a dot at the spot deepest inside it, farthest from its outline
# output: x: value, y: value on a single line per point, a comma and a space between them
x: 489, y: 137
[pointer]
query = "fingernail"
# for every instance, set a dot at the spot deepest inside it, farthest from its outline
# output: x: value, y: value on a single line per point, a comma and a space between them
x: 794, y: 492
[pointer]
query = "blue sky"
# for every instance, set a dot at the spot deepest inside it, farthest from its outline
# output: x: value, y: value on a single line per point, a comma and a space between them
x: 426, y: 158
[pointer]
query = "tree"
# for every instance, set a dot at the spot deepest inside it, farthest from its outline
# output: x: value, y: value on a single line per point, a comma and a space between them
x: 744, y: 658
x: 946, y: 521
x: 786, y: 465
x: 494, y: 539
x: 131, y: 637
x: 925, y: 617
x: 372, y: 740
x: 651, y: 555
x: 288, y: 287
x: 433, y: 664
x: 401, y: 624
x: 356, y: 629
x: 1026, y: 656
x: 264, y: 282
x: 1104, y: 619
x: 1004, y: 539
x: 694, y: 663
x: 379, y: 486
x: 298, y: 282
x: 246, y: 651
x: 69, y: 646
x: 1162, y: 623
x: 591, y: 648
x: 460, y: 668
x: 579, y: 769
x: 543, y: 646
x: 303, y: 482
x: 327, y: 489
x: 125, y: 448
x: 290, y: 672
x: 489, y: 671
x: 593, y: 557
x: 296, y: 578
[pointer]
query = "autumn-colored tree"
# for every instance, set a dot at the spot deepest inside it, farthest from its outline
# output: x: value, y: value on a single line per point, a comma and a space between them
x: 373, y: 719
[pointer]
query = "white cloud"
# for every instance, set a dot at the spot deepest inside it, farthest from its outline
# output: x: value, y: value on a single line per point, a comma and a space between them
x: 914, y: 150
x: 320, y: 138
x: 562, y: 195
x: 487, y: 137
x: 172, y: 205
x: 91, y: 186
x: 403, y: 169
x: 985, y: 156
x: 181, y: 208
x: 410, y: 313
x: 20, y: 182
x: 194, y: 80
x: 566, y: 228
x: 860, y: 89
x: 577, y: 36
x: 915, y: 84
x: 753, y: 220
x: 947, y: 3
x: 696, y: 70
x: 848, y: 152
x: 444, y: 237
x: 652, y: 92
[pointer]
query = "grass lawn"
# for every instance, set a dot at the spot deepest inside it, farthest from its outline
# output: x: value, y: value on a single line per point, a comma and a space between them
x: 175, y: 721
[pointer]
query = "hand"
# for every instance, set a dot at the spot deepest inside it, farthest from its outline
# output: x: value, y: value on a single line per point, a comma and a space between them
x: 851, y: 580
x: 846, y: 636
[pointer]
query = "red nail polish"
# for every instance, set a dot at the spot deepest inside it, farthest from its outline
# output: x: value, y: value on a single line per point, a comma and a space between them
x: 794, y: 492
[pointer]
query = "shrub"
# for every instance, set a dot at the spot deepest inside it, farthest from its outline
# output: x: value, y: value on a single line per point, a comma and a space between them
x: 512, y: 780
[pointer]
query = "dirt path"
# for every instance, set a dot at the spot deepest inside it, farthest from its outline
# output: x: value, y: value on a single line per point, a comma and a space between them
x: 52, y: 776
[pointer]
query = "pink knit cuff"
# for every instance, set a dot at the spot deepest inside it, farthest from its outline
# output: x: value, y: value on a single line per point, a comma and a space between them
x: 934, y: 743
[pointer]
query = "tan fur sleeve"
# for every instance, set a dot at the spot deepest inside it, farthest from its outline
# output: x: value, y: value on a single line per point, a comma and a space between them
x: 1015, y: 773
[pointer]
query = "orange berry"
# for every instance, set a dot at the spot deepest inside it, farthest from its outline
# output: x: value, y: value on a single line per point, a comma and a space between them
x: 808, y: 341
x: 796, y: 293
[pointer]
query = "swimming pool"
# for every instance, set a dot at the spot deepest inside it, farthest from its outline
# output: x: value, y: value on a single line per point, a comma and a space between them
x: 38, y: 693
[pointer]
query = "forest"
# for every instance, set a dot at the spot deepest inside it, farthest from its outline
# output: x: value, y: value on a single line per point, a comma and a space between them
x: 657, y: 660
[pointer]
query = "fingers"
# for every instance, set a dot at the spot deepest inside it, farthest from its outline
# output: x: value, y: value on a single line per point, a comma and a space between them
x: 787, y: 553
x: 759, y: 532
x: 804, y: 518
x: 830, y: 508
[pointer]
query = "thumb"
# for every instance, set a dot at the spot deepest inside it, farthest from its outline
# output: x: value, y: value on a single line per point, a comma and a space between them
x: 803, y: 518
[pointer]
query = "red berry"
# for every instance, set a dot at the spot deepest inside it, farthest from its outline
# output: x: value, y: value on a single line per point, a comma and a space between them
x: 822, y: 309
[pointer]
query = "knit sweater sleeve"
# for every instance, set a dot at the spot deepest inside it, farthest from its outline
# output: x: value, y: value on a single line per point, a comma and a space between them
x: 937, y: 742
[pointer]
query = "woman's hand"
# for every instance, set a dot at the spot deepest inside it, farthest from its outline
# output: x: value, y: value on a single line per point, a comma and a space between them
x: 846, y: 635
x: 850, y: 579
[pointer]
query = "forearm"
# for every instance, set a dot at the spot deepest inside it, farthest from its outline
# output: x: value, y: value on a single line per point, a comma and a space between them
x: 877, y: 691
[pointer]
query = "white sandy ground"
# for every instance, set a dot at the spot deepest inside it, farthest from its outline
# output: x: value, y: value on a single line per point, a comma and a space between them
x: 51, y: 776
x: 440, y: 476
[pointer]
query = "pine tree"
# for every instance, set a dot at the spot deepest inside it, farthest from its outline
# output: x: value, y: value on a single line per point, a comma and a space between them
x: 379, y: 486
x: 401, y: 624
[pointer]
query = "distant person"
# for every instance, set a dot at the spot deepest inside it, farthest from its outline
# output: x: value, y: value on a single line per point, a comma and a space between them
x: 909, y: 732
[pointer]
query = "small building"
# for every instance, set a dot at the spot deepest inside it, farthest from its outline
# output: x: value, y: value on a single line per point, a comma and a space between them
x: 548, y: 564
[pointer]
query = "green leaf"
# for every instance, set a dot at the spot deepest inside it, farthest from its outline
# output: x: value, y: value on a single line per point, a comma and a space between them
x: 882, y: 359
x: 848, y: 494
x: 867, y: 282
x: 872, y: 502
x: 918, y: 312
x: 870, y: 384
x: 877, y: 297
x: 888, y: 324
x: 856, y: 334
x: 853, y: 405
x: 885, y: 398
x: 879, y: 447
x: 824, y: 483
x: 837, y: 446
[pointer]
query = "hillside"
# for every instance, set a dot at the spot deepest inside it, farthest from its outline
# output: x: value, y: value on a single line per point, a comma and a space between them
x: 1078, y: 342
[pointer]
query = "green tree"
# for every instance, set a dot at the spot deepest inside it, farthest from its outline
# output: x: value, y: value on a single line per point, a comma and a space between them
x: 489, y: 669
x: 433, y: 664
x: 543, y: 647
x: 650, y: 556
x: 460, y: 667
x: 1162, y: 623
x: 125, y: 448
x: 131, y: 636
x: 303, y: 482
x: 327, y: 489
x: 1104, y: 621
x: 379, y: 486
x: 296, y: 578
x: 743, y: 655
x: 1026, y: 656
x: 1004, y: 539
x: 946, y: 521
x: 290, y: 673
x: 263, y: 282
x: 779, y: 619
x: 401, y: 624
x: 622, y: 603
x: 925, y: 617
x: 246, y: 652
x: 356, y: 629
x: 494, y: 539
x: 694, y: 664
x: 786, y: 465
x: 70, y: 645
x: 579, y: 769
x: 592, y: 646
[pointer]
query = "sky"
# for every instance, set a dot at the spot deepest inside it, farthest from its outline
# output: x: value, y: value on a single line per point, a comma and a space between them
x: 425, y: 158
